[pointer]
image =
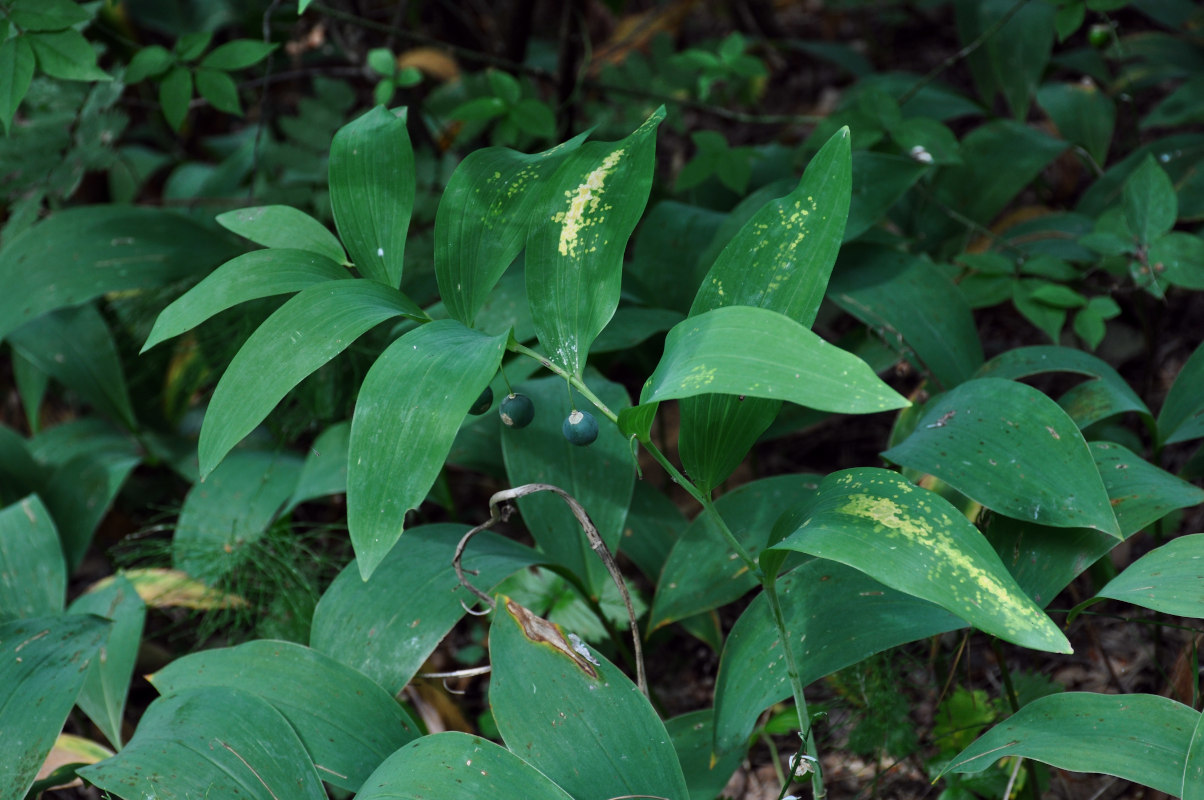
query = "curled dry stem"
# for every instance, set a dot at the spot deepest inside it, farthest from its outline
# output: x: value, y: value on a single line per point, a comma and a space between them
x: 499, y: 512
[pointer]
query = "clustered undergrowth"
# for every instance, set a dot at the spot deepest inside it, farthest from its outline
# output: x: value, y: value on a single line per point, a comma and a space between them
x: 458, y: 308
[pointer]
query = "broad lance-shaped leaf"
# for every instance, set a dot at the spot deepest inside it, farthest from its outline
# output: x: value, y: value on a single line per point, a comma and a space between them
x: 453, y: 764
x: 1193, y: 772
x: 216, y: 740
x: 741, y: 350
x: 574, y: 259
x: 1182, y: 415
x: 43, y: 663
x: 260, y: 273
x: 410, y: 406
x: 780, y: 260
x: 347, y: 723
x: 300, y: 336
x: 33, y: 572
x: 372, y: 192
x: 483, y: 219
x: 1011, y: 448
x: 1138, y: 737
x: 575, y: 715
x: 1168, y: 579
x: 283, y: 227
x: 81, y: 253
x: 915, y: 541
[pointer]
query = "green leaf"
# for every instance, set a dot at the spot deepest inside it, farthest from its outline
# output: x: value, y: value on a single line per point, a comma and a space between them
x: 81, y: 253
x: 533, y: 117
x: 632, y: 325
x: 1182, y: 416
x: 487, y: 209
x: 836, y: 616
x: 238, y: 54
x: 47, y: 15
x: 410, y: 406
x: 303, y: 334
x: 555, y: 703
x: 283, y: 227
x: 74, y: 346
x: 219, y: 740
x: 779, y: 260
x: 104, y: 692
x: 149, y: 62
x: 67, y: 55
x: 1150, y: 204
x: 33, y: 573
x: 671, y: 233
x: 219, y: 89
x: 479, y: 109
x: 915, y: 541
x: 504, y: 86
x: 347, y: 723
x: 453, y: 764
x: 260, y: 273
x: 743, y: 350
x: 1013, y: 58
x: 224, y: 516
x: 700, y: 573
x: 913, y: 306
x: 1180, y: 258
x: 600, y: 477
x: 574, y: 262
x: 1140, y: 493
x: 1011, y: 448
x: 1083, y: 114
x: 1138, y: 737
x: 878, y: 181
x: 387, y: 626
x: 1166, y: 579
x: 325, y: 469
x: 692, y: 735
x: 190, y: 45
x: 43, y: 663
x: 382, y: 61
x: 1193, y: 772
x: 16, y: 73
x: 372, y: 192
x: 175, y: 93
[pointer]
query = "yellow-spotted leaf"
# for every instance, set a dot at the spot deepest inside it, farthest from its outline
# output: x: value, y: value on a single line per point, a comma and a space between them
x: 915, y: 541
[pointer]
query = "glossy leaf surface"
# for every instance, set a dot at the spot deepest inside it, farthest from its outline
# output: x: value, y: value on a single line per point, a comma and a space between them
x: 387, y: 626
x: 574, y: 261
x: 487, y: 209
x: 1024, y: 362
x: 1182, y: 415
x: 33, y: 573
x: 303, y: 334
x: 410, y: 406
x: 260, y: 273
x: 1011, y: 448
x: 283, y: 227
x: 742, y: 350
x: 372, y: 192
x: 43, y: 663
x: 1137, y: 737
x: 347, y: 723
x: 575, y: 716
x: 1139, y: 492
x: 219, y: 740
x: 915, y: 541
x: 1166, y: 579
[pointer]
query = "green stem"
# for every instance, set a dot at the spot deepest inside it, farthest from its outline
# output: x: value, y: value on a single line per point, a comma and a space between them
x: 574, y: 381
x: 769, y: 582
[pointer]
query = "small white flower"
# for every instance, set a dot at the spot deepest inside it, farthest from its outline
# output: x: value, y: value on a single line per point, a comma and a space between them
x: 801, y: 764
x: 918, y: 153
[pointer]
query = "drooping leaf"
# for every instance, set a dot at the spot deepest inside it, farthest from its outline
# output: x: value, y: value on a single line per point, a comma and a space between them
x: 410, y: 406
x: 577, y: 717
x: 347, y: 723
x: 283, y: 227
x: 454, y: 764
x: 303, y: 334
x: 913, y: 306
x: 387, y: 626
x: 743, y: 350
x: 574, y: 262
x: 836, y: 616
x: 600, y: 476
x: 81, y: 253
x: 226, y: 514
x: 487, y: 209
x: 260, y: 273
x: 1182, y: 416
x: 219, y: 740
x: 33, y: 574
x: 104, y: 691
x: 43, y: 663
x: 372, y: 192
x: 700, y: 573
x: 915, y: 541
x: 1011, y: 448
x: 1138, y: 737
x: 1166, y: 579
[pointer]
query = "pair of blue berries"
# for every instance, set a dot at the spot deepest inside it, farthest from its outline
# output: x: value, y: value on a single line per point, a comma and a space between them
x: 517, y: 411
